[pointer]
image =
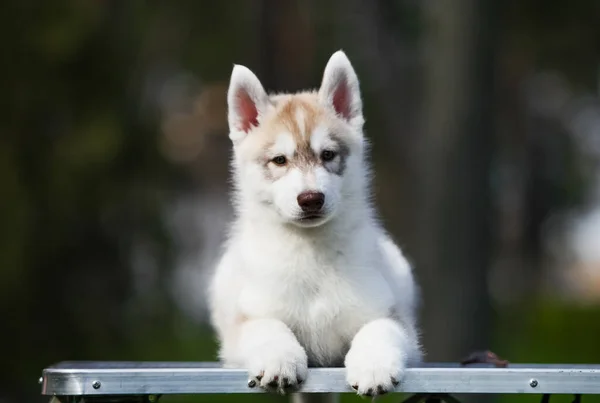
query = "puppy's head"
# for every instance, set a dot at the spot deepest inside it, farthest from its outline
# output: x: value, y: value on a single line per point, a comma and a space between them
x: 298, y: 154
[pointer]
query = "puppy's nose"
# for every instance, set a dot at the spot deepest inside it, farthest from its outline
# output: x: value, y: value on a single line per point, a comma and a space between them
x: 311, y: 202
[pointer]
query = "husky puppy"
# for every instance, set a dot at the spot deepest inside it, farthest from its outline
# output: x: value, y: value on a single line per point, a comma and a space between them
x: 308, y: 276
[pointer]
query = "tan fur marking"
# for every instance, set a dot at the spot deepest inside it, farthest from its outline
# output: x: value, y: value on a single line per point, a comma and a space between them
x: 288, y: 114
x: 283, y: 118
x: 241, y: 319
x: 300, y: 131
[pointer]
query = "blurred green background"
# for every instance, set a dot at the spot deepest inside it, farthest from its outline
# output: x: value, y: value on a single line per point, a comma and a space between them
x: 485, y: 123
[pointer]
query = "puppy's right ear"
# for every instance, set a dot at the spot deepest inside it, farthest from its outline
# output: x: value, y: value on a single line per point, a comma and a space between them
x: 247, y: 102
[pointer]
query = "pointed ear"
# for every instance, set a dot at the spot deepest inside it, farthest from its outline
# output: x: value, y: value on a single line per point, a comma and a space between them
x: 246, y: 101
x: 340, y: 89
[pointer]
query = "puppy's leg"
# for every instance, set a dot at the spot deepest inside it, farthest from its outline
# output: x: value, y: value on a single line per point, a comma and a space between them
x: 378, y: 355
x: 272, y: 354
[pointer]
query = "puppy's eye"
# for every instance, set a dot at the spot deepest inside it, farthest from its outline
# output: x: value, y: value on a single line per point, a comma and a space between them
x: 279, y: 160
x: 328, y: 155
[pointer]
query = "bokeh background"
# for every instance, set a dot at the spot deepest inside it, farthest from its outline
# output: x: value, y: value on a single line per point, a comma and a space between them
x: 485, y: 123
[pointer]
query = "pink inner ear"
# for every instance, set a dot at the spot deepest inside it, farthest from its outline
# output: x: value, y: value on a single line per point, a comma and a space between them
x: 341, y: 99
x: 247, y: 111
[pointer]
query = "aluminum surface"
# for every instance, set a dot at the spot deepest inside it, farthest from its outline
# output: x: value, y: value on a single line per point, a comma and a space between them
x: 163, y: 378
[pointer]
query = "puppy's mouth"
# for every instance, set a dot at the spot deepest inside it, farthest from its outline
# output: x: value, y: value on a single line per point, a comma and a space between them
x: 311, y: 219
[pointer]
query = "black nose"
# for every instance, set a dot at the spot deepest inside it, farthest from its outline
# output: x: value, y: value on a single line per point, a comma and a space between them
x: 311, y: 202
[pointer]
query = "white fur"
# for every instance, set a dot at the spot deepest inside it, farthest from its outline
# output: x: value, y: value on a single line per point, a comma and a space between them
x: 285, y: 145
x: 319, y: 139
x: 340, y: 292
x: 300, y: 116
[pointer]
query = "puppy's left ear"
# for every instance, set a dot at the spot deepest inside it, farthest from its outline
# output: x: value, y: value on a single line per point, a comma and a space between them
x: 340, y: 89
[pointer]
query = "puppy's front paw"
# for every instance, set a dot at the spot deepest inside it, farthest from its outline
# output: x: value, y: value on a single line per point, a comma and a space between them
x: 281, y: 367
x: 374, y: 370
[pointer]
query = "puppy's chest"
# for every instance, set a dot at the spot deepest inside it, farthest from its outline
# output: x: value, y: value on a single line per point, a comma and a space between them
x: 320, y: 302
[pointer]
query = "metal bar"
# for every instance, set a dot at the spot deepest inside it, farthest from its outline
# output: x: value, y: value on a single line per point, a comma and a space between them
x: 163, y: 378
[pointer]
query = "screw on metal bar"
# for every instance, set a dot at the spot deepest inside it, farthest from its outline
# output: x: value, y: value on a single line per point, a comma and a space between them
x: 96, y: 384
x: 533, y: 383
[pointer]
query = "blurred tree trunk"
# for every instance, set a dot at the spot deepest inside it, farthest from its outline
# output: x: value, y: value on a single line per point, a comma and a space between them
x: 380, y: 38
x: 454, y: 220
x: 287, y: 45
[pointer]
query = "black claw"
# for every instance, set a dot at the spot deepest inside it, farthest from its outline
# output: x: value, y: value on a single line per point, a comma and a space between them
x: 355, y: 387
x: 259, y: 377
x: 299, y: 380
x: 251, y: 383
x: 369, y: 392
x: 286, y: 383
x: 272, y: 384
x: 395, y: 382
x: 381, y: 390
